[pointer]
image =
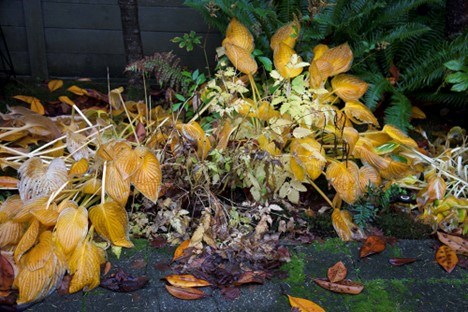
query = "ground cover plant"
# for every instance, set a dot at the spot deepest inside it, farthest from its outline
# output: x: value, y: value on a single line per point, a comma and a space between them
x: 223, y: 173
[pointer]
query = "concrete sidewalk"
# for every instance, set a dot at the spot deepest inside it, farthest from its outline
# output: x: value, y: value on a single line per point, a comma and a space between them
x: 419, y: 286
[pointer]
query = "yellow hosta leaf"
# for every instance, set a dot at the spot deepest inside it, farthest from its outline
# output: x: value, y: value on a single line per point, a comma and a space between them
x: 194, y: 133
x: 105, y: 151
x: 79, y: 167
x: 266, y: 111
x: 304, y: 305
x: 350, y: 136
x: 10, y: 207
x: 40, y: 270
x: 286, y: 34
x: 116, y: 186
x: 57, y: 150
x: 71, y: 228
x: 417, y: 113
x: 125, y: 159
x: 309, y: 154
x: 48, y: 217
x: 237, y: 34
x: 147, y: 179
x: 85, y: 266
x: 67, y: 203
x: 436, y: 187
x: 77, y: 90
x: 28, y: 240
x: 224, y: 134
x: 395, y: 169
x: 241, y: 59
x: 319, y: 50
x: 398, y: 135
x: 344, y: 177
x: 36, y: 105
x: 54, y: 85
x: 340, y: 57
x: 282, y: 60
x: 316, y: 77
x: 297, y: 170
x: 111, y: 222
x: 368, y: 175
x: 91, y: 186
x: 10, y: 233
x: 268, y: 146
x: 348, y: 87
x: 359, y: 113
x: 369, y: 156
x: 24, y: 214
x: 65, y: 99
x: 344, y: 225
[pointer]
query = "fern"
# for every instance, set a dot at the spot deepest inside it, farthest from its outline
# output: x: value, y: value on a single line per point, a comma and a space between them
x: 166, y: 69
x: 399, y: 112
x: 378, y: 85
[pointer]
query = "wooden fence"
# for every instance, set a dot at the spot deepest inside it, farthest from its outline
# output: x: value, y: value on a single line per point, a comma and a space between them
x: 82, y: 38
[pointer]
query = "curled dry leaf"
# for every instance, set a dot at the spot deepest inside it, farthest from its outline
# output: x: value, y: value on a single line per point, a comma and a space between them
x: 123, y: 282
x: 7, y: 274
x: 257, y: 277
x: 186, y: 293
x: 447, y: 258
x: 343, y: 287
x: 401, y: 261
x: 457, y: 243
x: 186, y: 281
x: 179, y: 252
x: 54, y: 85
x: 304, y: 305
x: 337, y: 272
x: 373, y: 244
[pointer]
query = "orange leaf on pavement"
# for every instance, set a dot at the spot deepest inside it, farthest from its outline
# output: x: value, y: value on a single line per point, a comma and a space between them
x: 457, y: 243
x: 337, y: 272
x: 179, y: 252
x: 186, y: 293
x: 373, y: 244
x: 304, y: 305
x: 343, y: 287
x: 186, y: 281
x: 447, y: 258
x: 249, y: 277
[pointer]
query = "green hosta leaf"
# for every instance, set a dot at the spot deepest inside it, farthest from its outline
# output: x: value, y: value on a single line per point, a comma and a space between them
x: 266, y: 63
x: 399, y: 158
x: 386, y: 148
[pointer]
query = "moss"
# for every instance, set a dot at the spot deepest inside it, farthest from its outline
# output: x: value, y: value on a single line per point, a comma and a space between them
x: 376, y: 296
x: 333, y: 246
x: 322, y: 225
x: 402, y: 225
x: 295, y: 269
x: 394, y: 251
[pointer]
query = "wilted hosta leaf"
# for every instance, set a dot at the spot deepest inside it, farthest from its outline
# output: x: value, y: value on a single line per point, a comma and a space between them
x: 417, y: 113
x: 115, y: 97
x: 65, y: 99
x: 8, y: 183
x: 7, y: 273
x: 241, y: 59
x: 28, y: 240
x: 36, y: 123
x: 110, y: 221
x: 10, y: 207
x: 316, y: 77
x: 319, y: 50
x: 125, y: 159
x: 36, y: 105
x: 77, y: 90
x: 397, y: 135
x: 239, y: 35
x: 71, y: 227
x: 77, y: 145
x: 340, y: 57
x: 349, y: 87
x: 85, y: 266
x: 373, y: 244
x: 368, y: 175
x: 224, y: 134
x: 186, y: 281
x: 24, y: 213
x: 282, y: 58
x: 268, y: 146
x: 304, y: 305
x: 147, y: 179
x: 79, y: 167
x: 91, y: 186
x: 344, y: 177
x: 266, y: 111
x: 186, y: 293
x: 286, y: 34
x: 436, y: 187
x: 54, y: 85
x: 343, y: 287
x: 308, y: 154
x: 194, y: 133
x: 447, y: 258
x: 337, y: 272
x: 116, y: 186
x: 344, y: 226
x: 41, y: 270
x: 457, y: 243
x: 359, y: 113
x: 10, y: 233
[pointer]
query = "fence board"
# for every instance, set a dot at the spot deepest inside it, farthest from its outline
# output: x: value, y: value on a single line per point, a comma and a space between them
x: 11, y: 13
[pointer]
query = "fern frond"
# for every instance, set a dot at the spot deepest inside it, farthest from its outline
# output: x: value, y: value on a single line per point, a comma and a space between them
x: 399, y: 112
x: 378, y: 85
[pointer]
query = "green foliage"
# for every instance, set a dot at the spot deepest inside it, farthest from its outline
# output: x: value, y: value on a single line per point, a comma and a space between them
x: 459, y: 75
x: 188, y: 41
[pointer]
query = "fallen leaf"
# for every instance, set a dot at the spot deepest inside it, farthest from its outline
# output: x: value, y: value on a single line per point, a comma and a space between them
x: 343, y: 287
x: 8, y: 302
x: 185, y: 281
x: 230, y: 293
x: 447, y: 258
x: 457, y: 243
x: 186, y: 293
x: 107, y: 268
x: 401, y: 261
x: 158, y: 242
x: 304, y: 305
x: 138, y: 264
x: 64, y: 287
x: 179, y: 252
x: 257, y: 277
x: 372, y: 245
x: 7, y: 273
x: 337, y: 272
x: 123, y: 282
x: 54, y: 85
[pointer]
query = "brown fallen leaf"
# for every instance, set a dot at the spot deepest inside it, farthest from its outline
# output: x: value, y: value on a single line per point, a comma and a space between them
x: 343, y: 287
x: 337, y: 272
x: 138, y: 264
x: 179, y: 252
x: 401, y: 261
x: 186, y: 281
x: 107, y: 268
x: 230, y: 293
x: 304, y: 305
x: 64, y: 288
x: 158, y: 241
x: 186, y: 293
x: 372, y: 245
x: 447, y: 258
x: 249, y: 277
x: 7, y: 273
x: 123, y: 282
x: 457, y: 243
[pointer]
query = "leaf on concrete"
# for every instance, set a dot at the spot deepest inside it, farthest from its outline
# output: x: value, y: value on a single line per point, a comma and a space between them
x: 186, y: 293
x: 343, y: 287
x: 337, y: 272
x: 457, y: 243
x: 186, y: 281
x: 179, y: 252
x: 447, y: 258
x: 373, y: 244
x: 85, y: 266
x: 401, y: 261
x: 249, y: 277
x: 123, y: 282
x: 304, y: 305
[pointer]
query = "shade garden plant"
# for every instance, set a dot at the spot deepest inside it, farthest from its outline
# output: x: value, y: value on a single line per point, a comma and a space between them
x: 273, y: 134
